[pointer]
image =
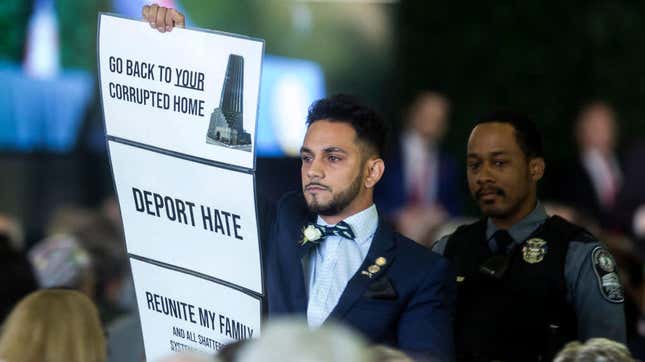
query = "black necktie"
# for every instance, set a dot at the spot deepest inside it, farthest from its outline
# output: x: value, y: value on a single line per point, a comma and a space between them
x: 341, y: 229
x: 497, y: 265
x: 503, y: 240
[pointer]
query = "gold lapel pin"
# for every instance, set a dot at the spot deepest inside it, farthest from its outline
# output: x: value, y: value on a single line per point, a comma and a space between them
x: 380, y: 261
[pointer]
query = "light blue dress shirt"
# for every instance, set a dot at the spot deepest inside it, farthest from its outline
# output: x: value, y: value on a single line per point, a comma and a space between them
x: 335, y: 261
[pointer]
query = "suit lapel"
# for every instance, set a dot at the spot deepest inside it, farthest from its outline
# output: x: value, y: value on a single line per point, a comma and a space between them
x: 300, y: 268
x: 297, y: 215
x: 382, y: 246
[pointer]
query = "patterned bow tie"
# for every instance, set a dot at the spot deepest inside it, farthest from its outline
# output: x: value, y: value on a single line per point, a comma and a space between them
x: 341, y: 229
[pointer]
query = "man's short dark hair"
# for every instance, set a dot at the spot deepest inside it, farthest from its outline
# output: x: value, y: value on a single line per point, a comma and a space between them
x: 527, y: 135
x: 369, y: 126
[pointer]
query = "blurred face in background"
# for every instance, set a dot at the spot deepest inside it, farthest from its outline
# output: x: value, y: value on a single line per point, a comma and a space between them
x: 429, y: 116
x: 596, y: 128
x: 501, y: 179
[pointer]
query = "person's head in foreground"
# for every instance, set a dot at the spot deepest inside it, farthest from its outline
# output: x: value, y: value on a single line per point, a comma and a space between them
x: 292, y: 341
x: 341, y: 157
x: 594, y: 350
x: 59, y: 261
x: 382, y: 353
x: 505, y: 161
x: 53, y: 325
x: 189, y: 357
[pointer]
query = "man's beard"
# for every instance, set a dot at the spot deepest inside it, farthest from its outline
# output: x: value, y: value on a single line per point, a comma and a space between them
x: 506, y: 207
x: 338, y: 202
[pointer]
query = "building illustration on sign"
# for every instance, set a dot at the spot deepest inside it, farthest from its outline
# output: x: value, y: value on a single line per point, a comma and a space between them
x: 226, y: 127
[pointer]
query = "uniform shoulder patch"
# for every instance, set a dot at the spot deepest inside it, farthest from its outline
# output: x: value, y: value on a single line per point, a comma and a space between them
x: 607, y: 276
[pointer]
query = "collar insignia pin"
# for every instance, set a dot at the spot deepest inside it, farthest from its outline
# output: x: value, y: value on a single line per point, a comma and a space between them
x: 380, y: 261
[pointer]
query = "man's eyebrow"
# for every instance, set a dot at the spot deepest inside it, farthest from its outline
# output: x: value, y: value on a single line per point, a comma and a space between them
x: 493, y: 154
x: 499, y: 153
x: 334, y: 149
x: 304, y: 149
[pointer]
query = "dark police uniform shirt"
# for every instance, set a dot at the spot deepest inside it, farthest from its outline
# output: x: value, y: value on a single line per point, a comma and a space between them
x: 599, y: 308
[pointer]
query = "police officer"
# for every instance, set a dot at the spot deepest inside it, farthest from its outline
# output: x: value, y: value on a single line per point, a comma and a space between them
x: 527, y: 282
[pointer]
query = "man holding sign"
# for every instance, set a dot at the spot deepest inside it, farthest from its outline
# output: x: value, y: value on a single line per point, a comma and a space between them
x: 333, y: 257
x: 330, y: 256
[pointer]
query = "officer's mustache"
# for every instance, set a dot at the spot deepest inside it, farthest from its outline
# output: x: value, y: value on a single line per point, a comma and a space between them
x: 479, y: 193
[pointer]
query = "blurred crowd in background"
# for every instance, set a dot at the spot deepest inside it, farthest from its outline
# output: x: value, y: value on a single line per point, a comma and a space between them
x: 432, y: 69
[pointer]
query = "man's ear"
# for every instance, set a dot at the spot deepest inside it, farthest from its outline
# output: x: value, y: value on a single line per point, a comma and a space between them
x: 536, y: 168
x: 374, y: 168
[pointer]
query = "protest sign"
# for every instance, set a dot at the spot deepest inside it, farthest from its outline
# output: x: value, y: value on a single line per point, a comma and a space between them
x: 188, y: 214
x: 180, y: 119
x: 188, y: 91
x: 179, y: 313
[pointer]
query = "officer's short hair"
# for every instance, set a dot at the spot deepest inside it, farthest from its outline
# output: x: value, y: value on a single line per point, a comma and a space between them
x: 369, y: 126
x: 527, y: 135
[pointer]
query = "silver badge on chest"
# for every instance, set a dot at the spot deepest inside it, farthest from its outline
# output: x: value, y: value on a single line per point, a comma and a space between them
x: 534, y: 250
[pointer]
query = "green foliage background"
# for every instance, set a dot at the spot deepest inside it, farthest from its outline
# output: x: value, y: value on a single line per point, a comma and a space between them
x: 542, y: 57
x: 546, y: 58
x: 13, y: 20
x: 337, y: 44
x: 77, y: 31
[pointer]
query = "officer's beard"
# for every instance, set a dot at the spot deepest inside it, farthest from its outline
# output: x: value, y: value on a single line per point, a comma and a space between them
x: 491, y: 208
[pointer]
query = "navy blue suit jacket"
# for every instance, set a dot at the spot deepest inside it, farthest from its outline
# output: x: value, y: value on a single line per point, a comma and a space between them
x: 408, y: 304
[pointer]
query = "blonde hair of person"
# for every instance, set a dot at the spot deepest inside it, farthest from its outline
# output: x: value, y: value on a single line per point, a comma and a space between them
x: 594, y: 350
x: 53, y: 325
x: 383, y: 353
x: 188, y: 357
x: 291, y: 340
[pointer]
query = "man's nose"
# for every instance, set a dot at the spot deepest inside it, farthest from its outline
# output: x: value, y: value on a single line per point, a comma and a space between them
x: 484, y: 175
x: 315, y: 169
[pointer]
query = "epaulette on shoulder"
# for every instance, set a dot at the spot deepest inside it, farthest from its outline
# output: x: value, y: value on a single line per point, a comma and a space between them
x: 572, y: 231
x: 474, y: 227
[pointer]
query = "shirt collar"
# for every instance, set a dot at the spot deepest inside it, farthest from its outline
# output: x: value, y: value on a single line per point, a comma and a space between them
x: 363, y: 224
x: 522, y: 229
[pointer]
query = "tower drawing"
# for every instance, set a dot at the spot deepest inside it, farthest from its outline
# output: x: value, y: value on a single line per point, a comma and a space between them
x: 226, y: 126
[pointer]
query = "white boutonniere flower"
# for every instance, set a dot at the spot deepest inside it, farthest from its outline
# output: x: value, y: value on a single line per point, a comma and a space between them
x: 311, y: 234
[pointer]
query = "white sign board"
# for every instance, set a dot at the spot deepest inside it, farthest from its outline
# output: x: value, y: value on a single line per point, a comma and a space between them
x: 180, y: 117
x: 188, y: 214
x: 188, y: 91
x: 179, y: 313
